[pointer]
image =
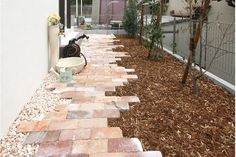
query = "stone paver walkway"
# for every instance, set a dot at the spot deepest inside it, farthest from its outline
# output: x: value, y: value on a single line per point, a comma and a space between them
x: 80, y: 129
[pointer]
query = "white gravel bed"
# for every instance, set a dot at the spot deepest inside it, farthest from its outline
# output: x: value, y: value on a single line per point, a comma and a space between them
x: 40, y: 104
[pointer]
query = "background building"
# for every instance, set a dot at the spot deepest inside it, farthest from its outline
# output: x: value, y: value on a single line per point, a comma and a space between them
x: 94, y: 11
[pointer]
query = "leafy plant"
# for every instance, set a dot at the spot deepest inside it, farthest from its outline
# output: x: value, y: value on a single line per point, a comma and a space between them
x: 155, y: 33
x: 130, y: 22
x: 54, y: 19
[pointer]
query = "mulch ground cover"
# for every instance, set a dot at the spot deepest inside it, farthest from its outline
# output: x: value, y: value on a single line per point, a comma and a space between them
x: 169, y: 118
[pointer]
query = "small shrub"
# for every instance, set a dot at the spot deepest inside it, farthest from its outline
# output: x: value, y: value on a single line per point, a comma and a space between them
x: 130, y: 22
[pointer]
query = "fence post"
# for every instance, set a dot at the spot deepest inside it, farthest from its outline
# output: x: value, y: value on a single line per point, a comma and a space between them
x: 174, y: 43
x: 206, y: 38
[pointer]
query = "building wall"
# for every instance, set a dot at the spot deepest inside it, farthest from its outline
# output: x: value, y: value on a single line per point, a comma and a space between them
x: 177, y: 5
x: 0, y: 70
x: 95, y: 11
x: 220, y: 11
x: 24, y: 53
x: 113, y: 11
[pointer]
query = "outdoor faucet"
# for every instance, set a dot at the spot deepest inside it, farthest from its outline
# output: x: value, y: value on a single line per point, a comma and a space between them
x: 62, y: 34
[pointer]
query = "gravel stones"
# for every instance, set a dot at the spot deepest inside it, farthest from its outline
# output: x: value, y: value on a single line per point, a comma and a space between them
x: 42, y: 102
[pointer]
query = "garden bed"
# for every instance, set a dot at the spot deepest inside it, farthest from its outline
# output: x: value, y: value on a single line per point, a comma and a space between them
x: 169, y: 118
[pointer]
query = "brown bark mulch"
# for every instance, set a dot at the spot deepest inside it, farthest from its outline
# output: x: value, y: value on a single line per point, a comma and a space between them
x: 169, y: 118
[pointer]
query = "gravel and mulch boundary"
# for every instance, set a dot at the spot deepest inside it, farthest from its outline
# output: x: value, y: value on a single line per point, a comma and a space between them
x: 169, y: 118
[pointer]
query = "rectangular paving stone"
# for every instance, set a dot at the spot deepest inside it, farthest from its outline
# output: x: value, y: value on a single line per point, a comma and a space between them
x: 119, y: 74
x: 76, y: 155
x: 129, y: 76
x: 41, y: 125
x: 61, y: 108
x: 85, y: 114
x: 65, y: 89
x: 114, y: 84
x: 56, y: 115
x: 85, y: 106
x: 80, y: 114
x: 106, y: 133
x: 78, y: 134
x: 54, y: 148
x: 124, y: 145
x: 108, y: 155
x: 89, y: 99
x: 121, y: 106
x: 89, y: 146
x: 63, y: 124
x: 106, y: 88
x: 35, y: 137
x: 138, y: 154
x: 131, y: 99
x: 129, y: 70
x: 85, y: 89
x: 111, y: 113
x: 106, y: 99
x: 51, y: 136
x: 92, y: 123
x: 67, y: 95
x: 119, y: 80
x: 79, y: 95
x: 26, y: 126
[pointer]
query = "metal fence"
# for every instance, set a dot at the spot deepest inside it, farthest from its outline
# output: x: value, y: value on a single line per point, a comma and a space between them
x: 216, y: 46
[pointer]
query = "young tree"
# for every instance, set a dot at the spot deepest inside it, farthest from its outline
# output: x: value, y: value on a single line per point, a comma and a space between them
x: 130, y: 18
x: 141, y: 23
x: 155, y: 32
x: 196, y: 36
x: 194, y: 40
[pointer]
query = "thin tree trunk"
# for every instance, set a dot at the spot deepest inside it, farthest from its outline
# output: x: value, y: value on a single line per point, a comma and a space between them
x: 141, y: 28
x: 203, y: 15
x: 151, y: 47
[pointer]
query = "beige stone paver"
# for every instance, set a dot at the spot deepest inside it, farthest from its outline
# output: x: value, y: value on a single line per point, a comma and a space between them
x: 81, y: 128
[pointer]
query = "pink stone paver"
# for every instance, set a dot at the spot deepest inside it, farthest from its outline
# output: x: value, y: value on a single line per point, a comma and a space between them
x: 78, y: 134
x: 55, y: 148
x: 80, y: 129
x: 90, y: 146
x: 106, y: 133
x: 124, y: 145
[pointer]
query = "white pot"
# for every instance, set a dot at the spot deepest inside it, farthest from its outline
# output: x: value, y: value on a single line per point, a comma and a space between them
x: 53, y: 37
x: 74, y: 63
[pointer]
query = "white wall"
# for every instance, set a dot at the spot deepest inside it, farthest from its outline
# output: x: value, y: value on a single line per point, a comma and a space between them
x: 95, y: 11
x: 220, y: 11
x: 0, y: 70
x: 24, y: 53
x: 179, y: 6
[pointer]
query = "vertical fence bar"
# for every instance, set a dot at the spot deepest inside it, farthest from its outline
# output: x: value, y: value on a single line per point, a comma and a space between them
x: 174, y: 43
x: 145, y: 25
x: 206, y: 41
x: 200, y: 52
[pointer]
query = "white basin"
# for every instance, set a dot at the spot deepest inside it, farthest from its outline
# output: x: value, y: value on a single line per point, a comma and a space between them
x: 75, y: 63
